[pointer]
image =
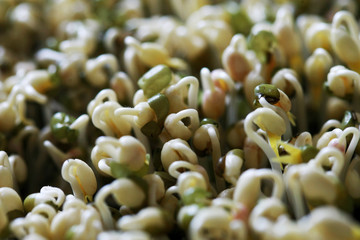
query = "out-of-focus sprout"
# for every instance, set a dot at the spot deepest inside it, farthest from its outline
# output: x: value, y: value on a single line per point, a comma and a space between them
x: 288, y: 38
x: 344, y: 83
x: 123, y: 86
x: 123, y: 235
x: 213, y: 97
x: 229, y: 166
x: 81, y: 37
x: 11, y: 207
x: 288, y: 76
x: 214, y: 223
x: 311, y: 180
x: 99, y: 71
x: 211, y: 23
x: 236, y: 58
x: 317, y: 35
x: 31, y: 224
x: 267, y: 212
x: 150, y: 219
x: 263, y: 44
x: 152, y: 54
x: 330, y: 223
x: 5, y: 171
x: 345, y: 40
x: 247, y: 189
x: 186, y: 8
x: 316, y: 68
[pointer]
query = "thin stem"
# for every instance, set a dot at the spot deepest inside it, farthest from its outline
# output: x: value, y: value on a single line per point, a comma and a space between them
x: 103, y: 209
x: 216, y: 155
x: 295, y: 194
x: 251, y: 133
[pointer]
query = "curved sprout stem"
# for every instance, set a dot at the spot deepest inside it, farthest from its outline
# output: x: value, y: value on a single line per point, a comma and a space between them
x: 103, y: 209
x: 251, y: 133
x: 294, y: 193
x: 216, y: 155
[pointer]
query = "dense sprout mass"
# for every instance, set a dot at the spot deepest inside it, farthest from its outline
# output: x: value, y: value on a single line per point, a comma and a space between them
x: 179, y: 119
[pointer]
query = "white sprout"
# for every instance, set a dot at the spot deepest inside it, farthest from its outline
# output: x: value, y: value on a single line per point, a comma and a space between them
x: 342, y: 81
x: 309, y: 180
x: 176, y: 96
x: 247, y: 190
x: 81, y: 178
x: 175, y: 150
x: 177, y: 128
x: 125, y: 191
x: 150, y: 218
x: 126, y: 150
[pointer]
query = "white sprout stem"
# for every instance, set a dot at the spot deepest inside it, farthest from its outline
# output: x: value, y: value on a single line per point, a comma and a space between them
x: 141, y: 137
x: 193, y: 84
x: 331, y: 123
x: 352, y: 146
x: 216, y: 155
x: 303, y: 139
x: 80, y: 124
x: 288, y: 134
x: 295, y: 195
x: 300, y: 104
x: 206, y: 82
x: 56, y: 154
x: 56, y: 194
x: 345, y: 17
x: 332, y: 154
x: 173, y: 168
x: 152, y: 195
x: 355, y: 77
x: 171, y: 190
x: 251, y: 133
x: 133, y: 42
x: 127, y: 111
x: 102, y: 208
x: 104, y: 166
x: 191, y: 113
x: 278, y: 188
